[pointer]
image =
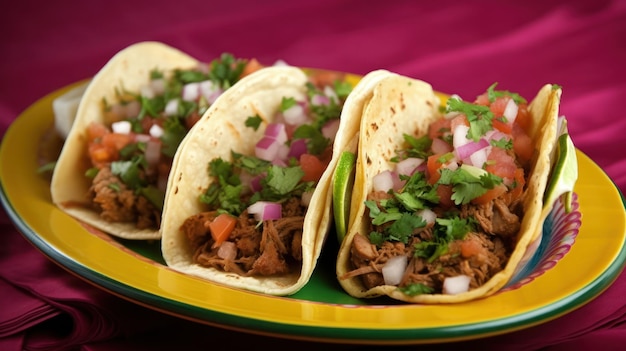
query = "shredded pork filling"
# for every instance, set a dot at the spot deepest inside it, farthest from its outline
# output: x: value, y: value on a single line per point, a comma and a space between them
x: 272, y: 247
x: 495, y: 237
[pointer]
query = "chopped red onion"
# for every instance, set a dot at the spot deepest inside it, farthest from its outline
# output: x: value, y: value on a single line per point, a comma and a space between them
x: 409, y: 165
x: 383, y: 181
x: 276, y: 131
x: 267, y: 149
x: 329, y: 130
x: 265, y: 210
x: 295, y: 115
x: 297, y: 148
x: 464, y: 151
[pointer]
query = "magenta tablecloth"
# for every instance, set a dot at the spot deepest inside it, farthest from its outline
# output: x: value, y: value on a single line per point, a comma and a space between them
x: 458, y: 46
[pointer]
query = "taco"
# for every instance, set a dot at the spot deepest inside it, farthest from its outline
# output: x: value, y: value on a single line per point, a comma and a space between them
x: 446, y: 201
x: 112, y: 170
x: 248, y: 202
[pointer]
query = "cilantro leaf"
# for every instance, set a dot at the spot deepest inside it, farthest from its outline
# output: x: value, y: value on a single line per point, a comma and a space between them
x: 479, y: 117
x: 467, y: 186
x: 493, y: 94
x: 254, y: 122
x: 416, y: 289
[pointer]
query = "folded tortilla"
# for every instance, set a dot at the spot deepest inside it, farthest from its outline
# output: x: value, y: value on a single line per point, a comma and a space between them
x: 221, y: 131
x: 401, y: 105
x: 129, y: 69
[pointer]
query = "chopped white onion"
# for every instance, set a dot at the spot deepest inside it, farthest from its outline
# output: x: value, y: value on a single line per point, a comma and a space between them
x: 121, y: 127
x: 510, y: 111
x: 191, y: 91
x: 383, y: 181
x: 393, y: 270
x: 428, y: 215
x: 171, y: 108
x: 456, y: 285
x: 408, y: 165
x: 479, y: 157
x: 142, y: 138
x: 156, y: 131
x: 319, y: 99
x: 295, y: 115
x: 330, y: 92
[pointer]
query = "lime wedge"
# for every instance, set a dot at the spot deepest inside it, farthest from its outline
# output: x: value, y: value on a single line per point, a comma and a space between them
x: 343, y: 182
x: 564, y: 174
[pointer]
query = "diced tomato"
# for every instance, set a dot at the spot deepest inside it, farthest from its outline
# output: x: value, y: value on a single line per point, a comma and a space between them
x: 501, y: 126
x: 499, y: 105
x: 96, y: 130
x: 482, y: 99
x: 312, y: 166
x: 252, y: 65
x: 445, y: 195
x: 518, y: 184
x: 500, y: 163
x: 432, y: 168
x: 522, y: 144
x: 470, y: 248
x: 491, y: 194
x: 321, y: 78
x: 523, y: 117
x: 221, y: 227
x: 192, y: 119
x: 459, y: 120
x: 100, y: 154
x: 439, y: 128
x: 116, y: 141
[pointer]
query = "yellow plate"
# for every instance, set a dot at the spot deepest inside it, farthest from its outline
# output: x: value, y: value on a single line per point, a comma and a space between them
x: 572, y: 266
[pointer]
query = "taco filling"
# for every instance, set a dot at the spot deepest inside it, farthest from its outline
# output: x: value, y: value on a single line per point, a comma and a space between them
x: 446, y: 219
x: 256, y: 204
x: 131, y: 150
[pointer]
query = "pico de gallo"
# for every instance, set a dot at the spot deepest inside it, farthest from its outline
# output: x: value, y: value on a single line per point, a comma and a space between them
x: 446, y: 218
x: 256, y: 203
x: 131, y: 152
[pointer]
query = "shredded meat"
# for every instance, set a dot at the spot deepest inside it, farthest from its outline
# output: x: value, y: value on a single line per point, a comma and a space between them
x: 117, y: 203
x: 479, y: 255
x: 273, y: 247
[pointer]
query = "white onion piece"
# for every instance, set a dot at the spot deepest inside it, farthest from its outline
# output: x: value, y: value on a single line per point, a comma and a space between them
x: 191, y: 91
x: 510, y: 111
x: 428, y: 215
x: 171, y: 108
x: 383, y: 181
x: 393, y: 270
x: 408, y: 165
x: 156, y: 131
x: 121, y: 127
x: 330, y: 92
x: 295, y: 115
x: 265, y: 210
x: 459, y: 136
x: 456, y: 285
x: 227, y: 251
x: 210, y: 90
x: 479, y: 157
x: 280, y: 63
